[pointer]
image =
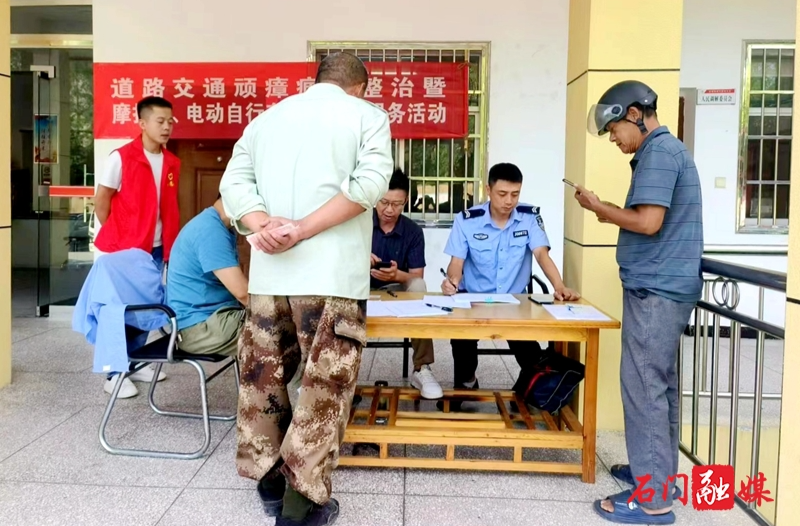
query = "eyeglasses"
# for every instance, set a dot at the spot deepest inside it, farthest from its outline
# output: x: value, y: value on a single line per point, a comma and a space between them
x: 393, y: 204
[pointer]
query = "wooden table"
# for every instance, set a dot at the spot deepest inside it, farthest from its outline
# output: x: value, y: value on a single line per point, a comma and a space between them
x: 505, y: 429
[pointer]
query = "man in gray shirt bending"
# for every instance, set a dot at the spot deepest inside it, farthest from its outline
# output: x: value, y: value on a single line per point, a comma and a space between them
x: 659, y: 251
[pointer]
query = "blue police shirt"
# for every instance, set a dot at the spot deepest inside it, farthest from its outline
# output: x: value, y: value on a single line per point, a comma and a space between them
x: 496, y: 260
x: 202, y: 246
x: 668, y: 262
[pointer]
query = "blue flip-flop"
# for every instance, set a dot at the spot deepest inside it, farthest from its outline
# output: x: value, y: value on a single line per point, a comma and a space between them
x: 630, y: 512
x: 622, y: 472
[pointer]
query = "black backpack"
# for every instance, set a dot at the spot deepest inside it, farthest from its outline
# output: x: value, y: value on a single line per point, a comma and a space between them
x: 549, y: 381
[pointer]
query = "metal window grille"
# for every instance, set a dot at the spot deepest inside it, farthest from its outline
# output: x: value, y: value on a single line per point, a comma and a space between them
x: 446, y: 175
x: 766, y: 137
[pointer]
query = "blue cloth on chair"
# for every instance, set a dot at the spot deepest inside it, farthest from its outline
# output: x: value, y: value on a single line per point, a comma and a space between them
x: 119, y: 279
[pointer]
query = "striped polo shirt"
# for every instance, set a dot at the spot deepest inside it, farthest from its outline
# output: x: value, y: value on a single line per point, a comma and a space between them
x: 668, y: 262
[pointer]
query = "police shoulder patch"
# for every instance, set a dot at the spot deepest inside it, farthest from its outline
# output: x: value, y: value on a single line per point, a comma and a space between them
x: 473, y: 212
x: 540, y: 222
x: 528, y: 209
x: 480, y: 236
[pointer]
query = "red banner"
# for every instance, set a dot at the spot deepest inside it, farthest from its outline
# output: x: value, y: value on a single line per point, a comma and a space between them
x: 424, y: 100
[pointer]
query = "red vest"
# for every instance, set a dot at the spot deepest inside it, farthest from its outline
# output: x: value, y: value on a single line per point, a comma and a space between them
x: 134, y: 211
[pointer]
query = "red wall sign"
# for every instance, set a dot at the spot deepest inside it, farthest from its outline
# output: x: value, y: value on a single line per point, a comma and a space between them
x: 217, y: 100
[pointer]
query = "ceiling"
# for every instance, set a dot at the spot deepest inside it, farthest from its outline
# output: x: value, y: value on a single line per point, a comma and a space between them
x: 51, y: 19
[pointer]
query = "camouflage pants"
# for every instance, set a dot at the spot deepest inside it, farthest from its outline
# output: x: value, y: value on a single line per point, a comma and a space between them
x: 310, y: 344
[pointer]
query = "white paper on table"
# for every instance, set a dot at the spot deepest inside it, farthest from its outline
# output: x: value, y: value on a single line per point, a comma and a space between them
x: 447, y: 301
x: 377, y: 309
x: 487, y: 298
x: 576, y: 312
x: 412, y: 309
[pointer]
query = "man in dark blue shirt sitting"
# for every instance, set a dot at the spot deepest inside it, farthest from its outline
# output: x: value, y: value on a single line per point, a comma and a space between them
x: 399, y: 242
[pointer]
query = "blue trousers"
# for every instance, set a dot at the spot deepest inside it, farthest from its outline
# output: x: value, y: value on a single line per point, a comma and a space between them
x: 652, y: 327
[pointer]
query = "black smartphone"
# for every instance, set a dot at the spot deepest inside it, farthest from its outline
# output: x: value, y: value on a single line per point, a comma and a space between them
x: 382, y: 265
x: 542, y: 299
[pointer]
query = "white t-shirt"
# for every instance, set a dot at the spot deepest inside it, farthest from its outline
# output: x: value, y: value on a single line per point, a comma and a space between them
x: 112, y: 178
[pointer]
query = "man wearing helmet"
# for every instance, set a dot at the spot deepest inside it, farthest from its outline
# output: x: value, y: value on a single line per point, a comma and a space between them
x: 659, y: 250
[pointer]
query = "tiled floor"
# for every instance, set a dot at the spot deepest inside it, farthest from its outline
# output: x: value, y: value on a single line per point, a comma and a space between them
x: 53, y: 470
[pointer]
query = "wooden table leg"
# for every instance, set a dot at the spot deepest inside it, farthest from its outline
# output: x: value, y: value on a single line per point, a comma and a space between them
x: 590, y: 407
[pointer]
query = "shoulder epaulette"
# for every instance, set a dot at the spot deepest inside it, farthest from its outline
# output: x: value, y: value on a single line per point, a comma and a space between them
x: 473, y: 212
x: 528, y: 209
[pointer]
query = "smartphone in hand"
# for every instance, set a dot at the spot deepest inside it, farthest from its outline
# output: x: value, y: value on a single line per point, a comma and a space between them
x: 251, y: 239
x: 382, y: 265
x: 285, y: 229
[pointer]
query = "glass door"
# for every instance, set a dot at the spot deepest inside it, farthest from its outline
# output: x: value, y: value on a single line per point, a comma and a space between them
x: 32, y: 157
x: 52, y: 183
x: 46, y: 153
x: 52, y: 155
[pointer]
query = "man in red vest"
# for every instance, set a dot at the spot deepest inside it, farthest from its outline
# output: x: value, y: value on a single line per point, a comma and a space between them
x: 136, y: 202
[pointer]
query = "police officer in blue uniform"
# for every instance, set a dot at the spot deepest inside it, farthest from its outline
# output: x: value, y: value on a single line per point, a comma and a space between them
x: 491, y: 248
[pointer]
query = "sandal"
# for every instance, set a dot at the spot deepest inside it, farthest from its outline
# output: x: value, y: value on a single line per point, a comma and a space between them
x: 622, y: 472
x: 630, y: 512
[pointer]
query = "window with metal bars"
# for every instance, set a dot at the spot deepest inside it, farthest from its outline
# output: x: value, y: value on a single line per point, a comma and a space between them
x: 766, y: 138
x: 446, y: 175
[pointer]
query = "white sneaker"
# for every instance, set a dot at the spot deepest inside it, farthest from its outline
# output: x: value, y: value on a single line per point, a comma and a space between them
x: 426, y: 383
x: 126, y: 390
x: 145, y: 374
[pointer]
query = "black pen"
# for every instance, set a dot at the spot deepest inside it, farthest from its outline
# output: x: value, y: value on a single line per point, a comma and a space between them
x: 446, y: 309
x: 392, y: 294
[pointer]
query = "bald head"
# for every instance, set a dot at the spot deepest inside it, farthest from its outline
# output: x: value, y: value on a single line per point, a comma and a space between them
x: 343, y: 69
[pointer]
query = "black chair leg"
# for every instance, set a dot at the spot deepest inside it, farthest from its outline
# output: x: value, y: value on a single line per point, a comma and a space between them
x: 406, y: 346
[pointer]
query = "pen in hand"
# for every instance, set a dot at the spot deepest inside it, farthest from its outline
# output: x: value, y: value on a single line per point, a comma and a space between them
x: 448, y: 278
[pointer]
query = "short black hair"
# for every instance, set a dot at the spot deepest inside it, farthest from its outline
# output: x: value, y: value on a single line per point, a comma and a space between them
x: 399, y: 181
x: 219, y: 196
x: 504, y: 172
x: 152, y: 102
x: 343, y: 69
